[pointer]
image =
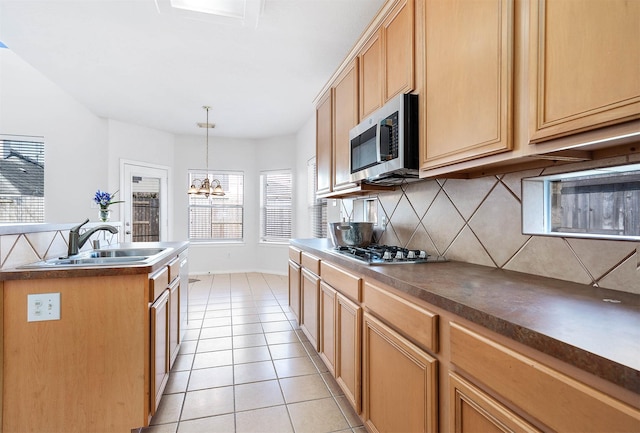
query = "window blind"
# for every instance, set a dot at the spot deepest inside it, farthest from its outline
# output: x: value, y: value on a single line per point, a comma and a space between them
x: 21, y: 179
x: 275, y: 206
x: 218, y: 218
x: 317, y: 207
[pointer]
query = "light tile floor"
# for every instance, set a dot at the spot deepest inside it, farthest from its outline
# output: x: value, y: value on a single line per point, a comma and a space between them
x: 245, y: 366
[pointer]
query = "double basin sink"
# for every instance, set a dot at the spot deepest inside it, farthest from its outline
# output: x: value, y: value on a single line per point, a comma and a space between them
x: 109, y: 257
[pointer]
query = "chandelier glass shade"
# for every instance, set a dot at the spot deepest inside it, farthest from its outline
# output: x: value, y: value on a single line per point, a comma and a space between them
x: 206, y: 187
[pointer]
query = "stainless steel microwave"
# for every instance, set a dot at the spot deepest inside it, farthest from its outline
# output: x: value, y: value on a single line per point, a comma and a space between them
x: 384, y: 146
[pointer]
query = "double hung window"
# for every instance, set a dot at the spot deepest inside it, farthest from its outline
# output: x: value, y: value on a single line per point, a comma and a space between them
x: 217, y: 218
x: 21, y: 179
x: 275, y: 206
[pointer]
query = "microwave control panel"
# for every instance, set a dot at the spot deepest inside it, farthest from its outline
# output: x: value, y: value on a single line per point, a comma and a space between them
x: 389, y: 137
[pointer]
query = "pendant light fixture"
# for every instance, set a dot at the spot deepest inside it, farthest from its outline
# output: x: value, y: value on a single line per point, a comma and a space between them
x: 204, y: 187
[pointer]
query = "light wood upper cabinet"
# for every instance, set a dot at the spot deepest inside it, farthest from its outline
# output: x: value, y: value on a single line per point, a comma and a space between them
x: 584, y: 65
x: 387, y: 59
x: 467, y: 106
x: 345, y: 117
x: 324, y: 137
x: 398, y: 42
x: 371, y: 67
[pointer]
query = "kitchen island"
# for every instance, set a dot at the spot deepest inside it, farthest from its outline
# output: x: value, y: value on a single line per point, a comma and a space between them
x: 101, y: 366
x: 485, y: 324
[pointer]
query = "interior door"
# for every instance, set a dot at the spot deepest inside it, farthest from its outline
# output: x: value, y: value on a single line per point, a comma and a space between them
x: 145, y: 192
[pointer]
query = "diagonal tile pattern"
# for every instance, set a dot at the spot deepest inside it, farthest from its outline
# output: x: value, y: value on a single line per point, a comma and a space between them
x: 246, y: 367
x: 479, y: 221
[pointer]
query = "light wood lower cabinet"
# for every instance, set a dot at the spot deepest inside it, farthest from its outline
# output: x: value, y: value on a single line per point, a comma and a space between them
x: 159, y: 348
x: 294, y: 289
x: 309, y: 295
x: 174, y: 320
x: 557, y: 401
x: 472, y: 410
x: 348, y: 328
x: 328, y: 326
x: 399, y: 381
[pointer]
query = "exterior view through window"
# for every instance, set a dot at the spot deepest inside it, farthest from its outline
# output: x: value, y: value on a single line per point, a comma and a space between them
x: 275, y: 206
x: 21, y: 179
x: 218, y: 219
x: 606, y: 204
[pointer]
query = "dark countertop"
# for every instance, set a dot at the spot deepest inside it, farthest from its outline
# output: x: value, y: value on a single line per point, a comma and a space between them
x: 173, y: 249
x: 575, y: 323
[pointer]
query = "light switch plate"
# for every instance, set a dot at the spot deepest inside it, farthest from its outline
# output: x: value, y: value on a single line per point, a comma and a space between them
x: 43, y: 306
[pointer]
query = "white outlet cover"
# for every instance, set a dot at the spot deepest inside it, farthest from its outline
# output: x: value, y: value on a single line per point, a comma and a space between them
x: 43, y: 306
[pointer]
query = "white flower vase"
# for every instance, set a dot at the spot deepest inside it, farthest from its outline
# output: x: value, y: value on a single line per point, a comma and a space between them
x: 104, y: 214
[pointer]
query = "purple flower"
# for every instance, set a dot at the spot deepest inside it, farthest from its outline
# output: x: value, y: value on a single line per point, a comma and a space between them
x: 104, y: 199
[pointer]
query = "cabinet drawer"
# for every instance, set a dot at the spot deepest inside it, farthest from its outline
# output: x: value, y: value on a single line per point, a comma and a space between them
x: 158, y: 283
x: 294, y: 255
x: 416, y: 323
x: 557, y: 400
x: 174, y: 269
x: 344, y: 282
x: 310, y: 262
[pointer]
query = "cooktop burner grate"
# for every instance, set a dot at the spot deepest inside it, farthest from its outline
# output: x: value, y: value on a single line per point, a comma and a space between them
x: 386, y: 254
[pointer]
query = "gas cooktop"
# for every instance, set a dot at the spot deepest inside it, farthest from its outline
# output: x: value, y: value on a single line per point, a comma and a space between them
x: 386, y: 255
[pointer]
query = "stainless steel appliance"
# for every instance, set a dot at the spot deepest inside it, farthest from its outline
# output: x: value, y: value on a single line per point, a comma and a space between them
x: 384, y: 146
x: 351, y: 234
x: 386, y: 255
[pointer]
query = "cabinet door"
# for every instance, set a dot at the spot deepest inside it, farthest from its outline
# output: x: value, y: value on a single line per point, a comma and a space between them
x: 328, y: 326
x: 560, y: 402
x: 294, y: 289
x: 371, y: 67
x: 310, y: 293
x: 345, y: 117
x: 159, y: 349
x: 471, y: 410
x: 467, y: 108
x: 174, y: 321
x: 324, y: 137
x: 398, y: 36
x: 348, y: 349
x: 584, y: 65
x: 400, y: 382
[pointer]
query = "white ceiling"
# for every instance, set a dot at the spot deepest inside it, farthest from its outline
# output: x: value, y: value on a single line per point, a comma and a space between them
x: 126, y: 61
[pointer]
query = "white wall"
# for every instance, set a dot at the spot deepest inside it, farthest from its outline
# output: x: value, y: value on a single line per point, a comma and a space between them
x: 83, y: 153
x: 140, y: 144
x: 76, y: 148
x: 250, y: 157
x: 305, y: 150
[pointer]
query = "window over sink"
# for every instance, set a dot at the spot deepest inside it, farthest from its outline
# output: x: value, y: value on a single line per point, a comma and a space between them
x: 598, y: 203
x: 21, y: 179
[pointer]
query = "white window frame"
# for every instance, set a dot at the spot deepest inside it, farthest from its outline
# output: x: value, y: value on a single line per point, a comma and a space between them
x: 232, y: 183
x: 276, y: 207
x: 22, y: 189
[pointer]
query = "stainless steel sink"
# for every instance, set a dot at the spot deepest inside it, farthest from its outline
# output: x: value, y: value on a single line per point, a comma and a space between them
x: 92, y: 261
x: 108, y: 257
x: 128, y: 252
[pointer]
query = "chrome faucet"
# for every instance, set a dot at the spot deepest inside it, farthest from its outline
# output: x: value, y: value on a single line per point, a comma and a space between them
x: 77, y: 240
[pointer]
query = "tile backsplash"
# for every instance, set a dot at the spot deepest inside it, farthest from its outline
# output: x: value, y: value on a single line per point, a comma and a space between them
x: 479, y: 221
x: 32, y: 244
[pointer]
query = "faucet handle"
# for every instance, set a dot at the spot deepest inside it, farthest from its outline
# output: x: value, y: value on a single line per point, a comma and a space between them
x: 77, y: 228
